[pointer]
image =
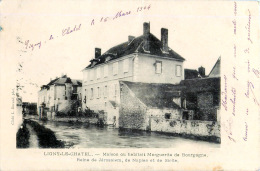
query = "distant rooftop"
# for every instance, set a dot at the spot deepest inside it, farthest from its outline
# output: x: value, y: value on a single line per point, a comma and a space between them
x: 62, y: 80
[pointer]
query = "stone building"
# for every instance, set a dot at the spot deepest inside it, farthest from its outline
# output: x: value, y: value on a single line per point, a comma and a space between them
x: 59, y: 94
x: 140, y: 59
x: 202, y: 96
x: 142, y: 101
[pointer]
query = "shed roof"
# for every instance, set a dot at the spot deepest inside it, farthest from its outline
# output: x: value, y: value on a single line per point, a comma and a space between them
x: 155, y: 95
x: 201, y: 84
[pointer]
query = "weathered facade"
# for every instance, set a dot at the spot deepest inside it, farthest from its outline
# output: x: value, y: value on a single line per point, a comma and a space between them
x: 141, y: 101
x: 59, y: 95
x: 141, y: 59
x: 202, y: 96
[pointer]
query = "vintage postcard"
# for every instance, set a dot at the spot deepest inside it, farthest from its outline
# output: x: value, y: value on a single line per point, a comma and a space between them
x: 130, y: 85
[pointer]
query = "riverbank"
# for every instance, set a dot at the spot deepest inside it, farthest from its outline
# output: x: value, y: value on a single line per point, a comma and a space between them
x: 84, y: 135
x: 66, y: 119
x: 22, y: 137
x: 195, y: 130
x: 44, y: 137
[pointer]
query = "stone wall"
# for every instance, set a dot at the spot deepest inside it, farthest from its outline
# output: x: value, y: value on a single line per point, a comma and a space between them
x: 155, y: 112
x: 75, y: 119
x: 207, y: 111
x: 186, y: 127
x: 132, y: 112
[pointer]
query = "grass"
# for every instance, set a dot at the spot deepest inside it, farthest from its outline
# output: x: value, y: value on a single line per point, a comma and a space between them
x: 22, y: 137
x: 46, y: 137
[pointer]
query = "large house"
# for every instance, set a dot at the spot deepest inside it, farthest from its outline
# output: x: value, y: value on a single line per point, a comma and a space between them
x: 140, y: 59
x: 59, y: 95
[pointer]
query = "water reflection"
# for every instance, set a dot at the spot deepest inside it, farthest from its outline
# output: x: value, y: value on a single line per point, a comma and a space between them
x: 83, y: 135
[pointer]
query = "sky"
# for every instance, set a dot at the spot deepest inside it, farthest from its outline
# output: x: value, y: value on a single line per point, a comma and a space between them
x: 195, y: 32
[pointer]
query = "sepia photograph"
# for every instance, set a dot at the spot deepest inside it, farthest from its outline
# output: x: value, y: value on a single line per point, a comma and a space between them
x: 136, y: 94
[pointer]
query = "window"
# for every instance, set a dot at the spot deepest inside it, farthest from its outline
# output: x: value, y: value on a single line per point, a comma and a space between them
x: 126, y: 65
x: 98, y: 92
x: 115, y: 68
x: 178, y: 70
x: 85, y: 99
x: 107, y: 58
x: 105, y: 91
x: 98, y: 73
x: 167, y: 115
x: 105, y: 70
x: 158, y: 67
x: 92, y: 93
x: 115, y: 90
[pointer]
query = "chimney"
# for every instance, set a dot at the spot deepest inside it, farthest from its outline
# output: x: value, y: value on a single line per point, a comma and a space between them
x: 130, y: 38
x: 201, y: 71
x: 97, y: 52
x: 164, y: 39
x: 146, y: 36
x: 146, y: 28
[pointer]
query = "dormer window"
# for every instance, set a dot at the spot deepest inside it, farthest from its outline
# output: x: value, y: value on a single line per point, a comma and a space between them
x: 93, y: 62
x: 107, y: 58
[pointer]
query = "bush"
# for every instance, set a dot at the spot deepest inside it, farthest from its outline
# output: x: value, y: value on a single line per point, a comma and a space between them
x: 60, y: 114
x: 90, y: 113
x: 72, y: 113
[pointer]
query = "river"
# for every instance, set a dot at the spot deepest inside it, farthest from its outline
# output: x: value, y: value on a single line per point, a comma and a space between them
x: 82, y: 135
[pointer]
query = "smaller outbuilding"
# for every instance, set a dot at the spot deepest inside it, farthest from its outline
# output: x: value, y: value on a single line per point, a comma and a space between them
x: 141, y: 101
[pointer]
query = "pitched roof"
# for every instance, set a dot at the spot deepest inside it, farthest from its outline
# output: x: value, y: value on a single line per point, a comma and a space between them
x: 215, y: 71
x: 201, y: 84
x: 64, y: 79
x: 155, y: 95
x: 136, y: 46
